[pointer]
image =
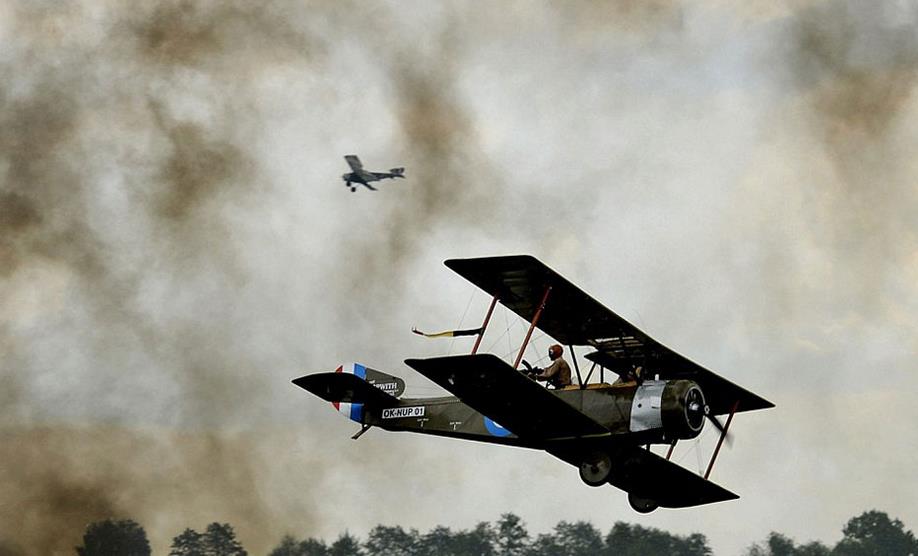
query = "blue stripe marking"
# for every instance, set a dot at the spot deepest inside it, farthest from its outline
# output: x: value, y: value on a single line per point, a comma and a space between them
x: 495, y: 429
x: 357, y: 408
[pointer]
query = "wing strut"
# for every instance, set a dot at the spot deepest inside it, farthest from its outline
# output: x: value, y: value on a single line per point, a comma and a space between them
x: 570, y: 348
x: 720, y: 441
x: 590, y: 374
x: 532, y: 325
x: 484, y: 325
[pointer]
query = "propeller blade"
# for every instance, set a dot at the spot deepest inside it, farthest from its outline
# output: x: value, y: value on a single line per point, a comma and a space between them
x: 717, y: 424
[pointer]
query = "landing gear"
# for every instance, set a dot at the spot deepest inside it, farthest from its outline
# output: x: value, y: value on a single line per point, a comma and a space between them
x: 596, y: 468
x: 353, y: 189
x: 642, y: 505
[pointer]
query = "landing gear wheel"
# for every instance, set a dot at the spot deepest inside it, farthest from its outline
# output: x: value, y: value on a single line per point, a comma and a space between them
x: 595, y: 469
x: 642, y: 505
x: 353, y: 189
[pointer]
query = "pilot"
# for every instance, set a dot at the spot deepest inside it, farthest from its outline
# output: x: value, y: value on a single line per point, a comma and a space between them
x: 558, y: 374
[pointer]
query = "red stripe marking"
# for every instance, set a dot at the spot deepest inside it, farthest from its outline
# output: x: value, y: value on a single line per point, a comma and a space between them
x: 338, y: 370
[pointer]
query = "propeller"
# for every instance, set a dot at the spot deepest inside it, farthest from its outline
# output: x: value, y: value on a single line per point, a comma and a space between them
x: 718, y: 425
x: 697, y: 409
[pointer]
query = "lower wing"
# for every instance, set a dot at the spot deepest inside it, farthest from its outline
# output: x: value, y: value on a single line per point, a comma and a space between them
x: 641, y: 472
x: 497, y: 390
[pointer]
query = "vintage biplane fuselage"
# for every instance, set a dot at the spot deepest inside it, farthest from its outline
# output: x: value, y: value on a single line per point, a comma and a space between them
x: 652, y: 413
x: 603, y: 429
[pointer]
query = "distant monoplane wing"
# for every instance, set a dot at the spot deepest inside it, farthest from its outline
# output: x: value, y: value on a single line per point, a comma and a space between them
x: 354, y: 163
x: 520, y: 405
x: 573, y: 317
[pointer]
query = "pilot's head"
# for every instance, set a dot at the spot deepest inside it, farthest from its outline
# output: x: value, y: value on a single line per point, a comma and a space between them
x: 555, y: 351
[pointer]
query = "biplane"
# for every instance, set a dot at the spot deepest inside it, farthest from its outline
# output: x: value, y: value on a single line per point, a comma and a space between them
x: 364, y: 177
x: 604, y: 429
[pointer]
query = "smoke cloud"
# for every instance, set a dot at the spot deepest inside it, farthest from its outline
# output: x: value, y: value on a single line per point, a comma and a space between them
x: 176, y: 244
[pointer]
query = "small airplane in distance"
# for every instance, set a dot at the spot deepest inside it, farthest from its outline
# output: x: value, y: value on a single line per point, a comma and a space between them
x: 363, y: 177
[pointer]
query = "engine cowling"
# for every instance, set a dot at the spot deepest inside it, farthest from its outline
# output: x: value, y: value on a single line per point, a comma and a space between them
x: 682, y: 409
x: 676, y: 406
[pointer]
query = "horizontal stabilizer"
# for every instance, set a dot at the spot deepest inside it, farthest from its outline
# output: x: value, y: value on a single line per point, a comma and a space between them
x: 498, y: 391
x: 345, y: 387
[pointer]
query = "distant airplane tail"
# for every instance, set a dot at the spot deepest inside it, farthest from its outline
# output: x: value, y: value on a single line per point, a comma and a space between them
x: 352, y: 386
x: 397, y: 172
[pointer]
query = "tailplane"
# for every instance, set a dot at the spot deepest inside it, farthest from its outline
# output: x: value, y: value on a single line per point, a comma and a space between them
x: 352, y: 386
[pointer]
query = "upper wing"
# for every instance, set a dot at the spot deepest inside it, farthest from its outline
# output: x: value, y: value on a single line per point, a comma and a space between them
x: 573, y: 317
x: 519, y: 282
x: 492, y: 387
x: 655, y: 358
x: 354, y: 162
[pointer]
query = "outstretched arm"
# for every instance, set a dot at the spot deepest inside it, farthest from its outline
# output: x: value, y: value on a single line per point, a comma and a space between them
x: 550, y: 372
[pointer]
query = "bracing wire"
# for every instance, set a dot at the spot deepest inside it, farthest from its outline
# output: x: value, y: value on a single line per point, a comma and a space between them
x: 696, y: 444
x: 461, y: 320
x: 509, y: 343
x: 698, y: 457
x: 501, y: 337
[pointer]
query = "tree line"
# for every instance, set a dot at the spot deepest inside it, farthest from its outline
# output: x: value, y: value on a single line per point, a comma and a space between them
x: 872, y: 533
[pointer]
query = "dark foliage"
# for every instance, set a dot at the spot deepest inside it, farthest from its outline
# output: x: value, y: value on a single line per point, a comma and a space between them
x: 114, y: 538
x: 291, y: 547
x: 872, y: 533
x: 218, y: 539
x: 346, y: 545
x: 507, y: 537
x: 188, y: 543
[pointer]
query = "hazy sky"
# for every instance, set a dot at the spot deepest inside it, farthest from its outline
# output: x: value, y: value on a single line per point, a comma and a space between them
x: 176, y: 244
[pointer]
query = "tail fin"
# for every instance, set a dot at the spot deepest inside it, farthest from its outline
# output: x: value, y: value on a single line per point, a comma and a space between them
x: 389, y: 384
x: 398, y: 172
x: 352, y: 386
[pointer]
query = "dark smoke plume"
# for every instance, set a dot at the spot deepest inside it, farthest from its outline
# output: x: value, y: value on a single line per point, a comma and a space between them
x: 857, y: 67
x: 113, y: 201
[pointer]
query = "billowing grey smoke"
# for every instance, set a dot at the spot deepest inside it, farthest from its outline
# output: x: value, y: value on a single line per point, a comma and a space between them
x: 175, y: 245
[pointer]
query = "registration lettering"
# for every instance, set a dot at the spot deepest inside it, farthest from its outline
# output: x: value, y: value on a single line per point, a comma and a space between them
x: 402, y: 412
